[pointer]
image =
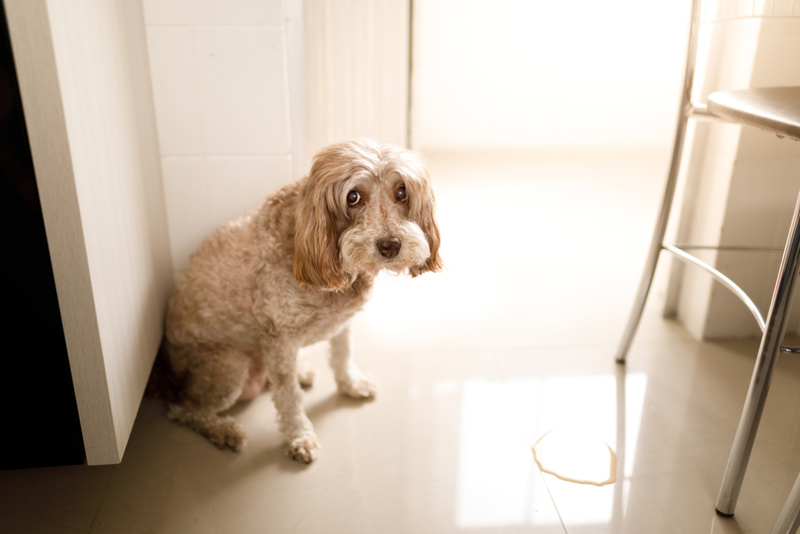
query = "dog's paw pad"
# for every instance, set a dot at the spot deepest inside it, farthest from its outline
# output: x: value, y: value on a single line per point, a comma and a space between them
x: 359, y: 387
x: 306, y: 377
x: 305, y: 448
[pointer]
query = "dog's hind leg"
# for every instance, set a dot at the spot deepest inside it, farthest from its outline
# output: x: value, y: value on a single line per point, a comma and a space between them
x: 213, y: 385
x: 349, y: 379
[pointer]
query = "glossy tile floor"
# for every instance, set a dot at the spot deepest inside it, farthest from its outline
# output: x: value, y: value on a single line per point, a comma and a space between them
x: 515, y: 339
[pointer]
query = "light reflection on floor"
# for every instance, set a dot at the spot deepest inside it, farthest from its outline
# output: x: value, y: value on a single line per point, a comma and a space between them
x: 497, y: 494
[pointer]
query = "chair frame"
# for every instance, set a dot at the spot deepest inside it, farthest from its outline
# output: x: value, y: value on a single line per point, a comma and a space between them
x: 773, y: 327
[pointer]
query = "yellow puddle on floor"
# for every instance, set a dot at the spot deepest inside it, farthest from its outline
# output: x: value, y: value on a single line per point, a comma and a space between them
x: 576, y: 456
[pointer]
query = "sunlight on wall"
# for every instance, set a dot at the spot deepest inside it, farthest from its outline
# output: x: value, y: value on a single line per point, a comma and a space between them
x: 529, y: 74
x: 498, y: 494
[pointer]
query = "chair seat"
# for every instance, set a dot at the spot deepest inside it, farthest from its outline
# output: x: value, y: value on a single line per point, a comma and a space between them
x: 774, y: 109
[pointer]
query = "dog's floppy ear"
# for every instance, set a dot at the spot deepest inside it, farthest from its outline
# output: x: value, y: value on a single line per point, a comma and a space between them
x: 316, y: 239
x: 422, y: 210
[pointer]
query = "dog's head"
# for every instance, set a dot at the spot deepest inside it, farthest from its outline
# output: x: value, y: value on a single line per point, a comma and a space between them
x: 364, y: 207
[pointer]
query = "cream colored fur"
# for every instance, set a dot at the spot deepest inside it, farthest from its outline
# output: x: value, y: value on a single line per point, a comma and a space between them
x: 291, y: 274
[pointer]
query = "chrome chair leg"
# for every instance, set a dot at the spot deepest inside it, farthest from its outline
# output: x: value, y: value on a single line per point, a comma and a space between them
x: 789, y: 519
x: 657, y: 242
x: 655, y: 247
x: 669, y: 191
x: 776, y: 323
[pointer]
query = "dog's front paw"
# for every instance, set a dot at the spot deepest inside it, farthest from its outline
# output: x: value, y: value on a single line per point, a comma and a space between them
x: 228, y: 432
x: 359, y: 387
x: 305, y: 448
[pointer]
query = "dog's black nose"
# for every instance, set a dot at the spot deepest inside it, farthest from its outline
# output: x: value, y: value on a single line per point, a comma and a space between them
x: 389, y: 247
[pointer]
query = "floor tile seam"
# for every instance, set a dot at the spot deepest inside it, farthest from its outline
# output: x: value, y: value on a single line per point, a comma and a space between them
x: 548, y: 347
x: 552, y: 498
x: 102, y: 498
x: 654, y: 343
x: 518, y: 348
x: 519, y: 432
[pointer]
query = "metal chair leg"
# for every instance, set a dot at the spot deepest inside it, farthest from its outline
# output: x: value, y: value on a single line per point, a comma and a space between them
x: 669, y: 191
x: 789, y: 519
x: 655, y: 248
x: 776, y: 323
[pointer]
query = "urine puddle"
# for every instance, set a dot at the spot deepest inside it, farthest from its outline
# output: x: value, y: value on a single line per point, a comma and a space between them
x: 576, y: 456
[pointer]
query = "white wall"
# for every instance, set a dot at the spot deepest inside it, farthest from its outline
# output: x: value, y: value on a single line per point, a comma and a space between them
x: 529, y: 73
x: 221, y: 84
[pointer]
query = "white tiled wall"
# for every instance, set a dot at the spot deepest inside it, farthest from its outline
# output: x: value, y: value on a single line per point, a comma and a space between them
x: 357, y: 70
x: 718, y: 10
x: 221, y: 91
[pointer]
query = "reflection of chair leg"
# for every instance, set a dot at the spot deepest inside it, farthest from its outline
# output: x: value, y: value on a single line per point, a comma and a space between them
x: 789, y: 519
x: 617, y: 515
x: 777, y: 319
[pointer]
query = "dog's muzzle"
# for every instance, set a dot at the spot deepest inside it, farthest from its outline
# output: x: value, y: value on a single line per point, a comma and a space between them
x: 389, y: 247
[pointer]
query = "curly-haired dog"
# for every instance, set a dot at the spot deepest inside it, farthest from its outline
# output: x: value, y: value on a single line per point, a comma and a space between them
x: 291, y: 274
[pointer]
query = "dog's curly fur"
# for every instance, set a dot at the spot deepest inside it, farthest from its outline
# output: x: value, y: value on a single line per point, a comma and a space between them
x: 291, y: 274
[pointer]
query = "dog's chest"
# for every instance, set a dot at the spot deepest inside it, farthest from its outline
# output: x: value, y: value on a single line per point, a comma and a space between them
x: 326, y: 323
x: 309, y: 315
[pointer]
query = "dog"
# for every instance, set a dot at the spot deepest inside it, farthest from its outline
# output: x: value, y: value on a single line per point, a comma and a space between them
x: 289, y: 275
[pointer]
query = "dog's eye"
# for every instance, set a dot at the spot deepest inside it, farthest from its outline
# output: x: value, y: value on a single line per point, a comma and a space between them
x: 400, y: 195
x: 353, y: 198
